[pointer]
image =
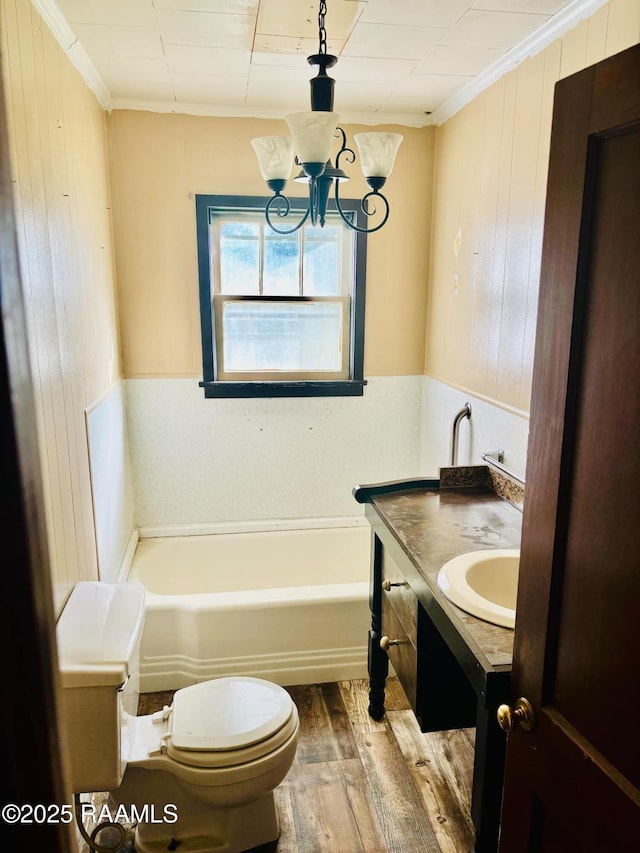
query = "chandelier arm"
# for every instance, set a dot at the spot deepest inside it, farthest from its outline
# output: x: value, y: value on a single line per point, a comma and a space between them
x: 348, y: 152
x: 365, y: 209
x: 287, y: 204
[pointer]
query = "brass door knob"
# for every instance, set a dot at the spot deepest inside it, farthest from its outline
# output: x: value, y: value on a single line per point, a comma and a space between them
x: 522, y: 714
x: 385, y: 642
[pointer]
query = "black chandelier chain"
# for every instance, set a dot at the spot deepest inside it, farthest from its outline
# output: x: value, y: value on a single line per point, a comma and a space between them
x: 322, y: 32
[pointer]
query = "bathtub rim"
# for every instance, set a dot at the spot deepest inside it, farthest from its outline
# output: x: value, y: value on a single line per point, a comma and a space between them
x: 264, y: 525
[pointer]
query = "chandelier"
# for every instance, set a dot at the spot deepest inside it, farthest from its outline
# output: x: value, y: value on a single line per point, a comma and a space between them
x: 313, y: 133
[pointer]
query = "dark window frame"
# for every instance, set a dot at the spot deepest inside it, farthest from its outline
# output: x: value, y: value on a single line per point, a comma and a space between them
x: 215, y: 388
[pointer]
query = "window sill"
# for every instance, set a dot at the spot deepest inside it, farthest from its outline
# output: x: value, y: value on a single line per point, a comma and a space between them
x: 321, y: 388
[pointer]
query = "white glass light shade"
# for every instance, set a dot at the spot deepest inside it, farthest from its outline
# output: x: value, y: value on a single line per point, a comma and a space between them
x: 312, y: 135
x: 275, y: 156
x: 377, y: 153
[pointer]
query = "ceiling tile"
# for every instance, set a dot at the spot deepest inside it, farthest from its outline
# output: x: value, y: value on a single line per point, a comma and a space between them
x: 358, y: 69
x: 360, y: 97
x: 290, y: 60
x: 266, y: 43
x: 492, y: 29
x: 386, y: 41
x: 423, y: 93
x: 140, y: 89
x: 449, y: 59
x: 229, y: 7
x: 280, y: 78
x: 209, y: 88
x: 98, y: 40
x: 289, y: 96
x: 195, y: 59
x: 540, y: 7
x: 209, y: 29
x: 134, y: 68
x: 300, y: 18
x: 415, y: 13
x: 124, y: 13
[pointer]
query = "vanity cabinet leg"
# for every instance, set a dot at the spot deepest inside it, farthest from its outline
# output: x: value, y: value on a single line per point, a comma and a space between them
x: 378, y: 671
x: 488, y: 779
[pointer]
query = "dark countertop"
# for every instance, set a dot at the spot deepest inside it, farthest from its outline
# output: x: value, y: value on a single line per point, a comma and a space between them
x: 434, y: 525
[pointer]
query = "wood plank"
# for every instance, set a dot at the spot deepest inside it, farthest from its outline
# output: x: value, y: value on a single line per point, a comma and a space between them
x: 149, y: 703
x: 395, y: 697
x: 405, y: 824
x: 288, y: 841
x: 441, y: 765
x: 332, y: 811
x: 623, y: 26
x: 355, y: 695
x: 317, y: 741
x: 340, y: 723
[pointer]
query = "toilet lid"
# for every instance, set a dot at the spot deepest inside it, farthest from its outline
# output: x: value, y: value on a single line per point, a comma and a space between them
x: 228, y: 713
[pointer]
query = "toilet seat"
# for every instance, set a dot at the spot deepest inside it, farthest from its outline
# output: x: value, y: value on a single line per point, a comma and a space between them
x: 229, y: 721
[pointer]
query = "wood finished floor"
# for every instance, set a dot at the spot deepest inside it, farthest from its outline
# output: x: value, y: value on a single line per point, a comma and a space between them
x: 361, y: 786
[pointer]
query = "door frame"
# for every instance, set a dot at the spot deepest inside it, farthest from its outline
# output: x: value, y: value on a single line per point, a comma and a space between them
x: 34, y: 769
x: 596, y: 101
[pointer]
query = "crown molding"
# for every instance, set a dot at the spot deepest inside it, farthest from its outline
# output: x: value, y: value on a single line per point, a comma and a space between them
x: 243, y: 111
x: 77, y: 55
x: 555, y: 27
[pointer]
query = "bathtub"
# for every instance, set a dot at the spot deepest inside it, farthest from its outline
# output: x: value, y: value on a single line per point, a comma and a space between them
x: 287, y: 605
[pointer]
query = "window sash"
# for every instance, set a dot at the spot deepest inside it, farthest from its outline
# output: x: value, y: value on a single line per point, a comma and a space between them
x: 220, y: 217
x: 290, y: 374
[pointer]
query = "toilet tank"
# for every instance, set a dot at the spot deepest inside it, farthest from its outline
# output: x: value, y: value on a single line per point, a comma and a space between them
x: 98, y: 637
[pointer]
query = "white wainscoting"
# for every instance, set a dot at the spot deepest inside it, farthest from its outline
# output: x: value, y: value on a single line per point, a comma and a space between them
x: 111, y: 484
x: 489, y: 428
x: 198, y: 461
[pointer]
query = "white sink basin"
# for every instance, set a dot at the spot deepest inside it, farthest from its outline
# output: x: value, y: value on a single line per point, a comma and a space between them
x: 484, y: 583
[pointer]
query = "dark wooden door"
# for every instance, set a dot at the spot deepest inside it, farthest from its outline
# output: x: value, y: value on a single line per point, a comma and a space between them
x: 572, y: 784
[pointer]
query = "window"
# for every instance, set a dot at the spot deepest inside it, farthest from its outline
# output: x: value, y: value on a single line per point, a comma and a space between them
x: 281, y: 314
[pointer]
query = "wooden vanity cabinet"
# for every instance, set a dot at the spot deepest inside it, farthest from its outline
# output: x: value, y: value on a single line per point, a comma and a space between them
x: 454, y: 668
x: 435, y: 684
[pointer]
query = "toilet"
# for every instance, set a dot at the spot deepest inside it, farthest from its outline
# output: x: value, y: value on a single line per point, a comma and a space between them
x: 202, y: 772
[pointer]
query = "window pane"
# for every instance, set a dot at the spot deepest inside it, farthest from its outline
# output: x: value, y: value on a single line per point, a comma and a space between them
x: 268, y: 336
x: 281, y: 275
x: 240, y: 258
x: 322, y: 261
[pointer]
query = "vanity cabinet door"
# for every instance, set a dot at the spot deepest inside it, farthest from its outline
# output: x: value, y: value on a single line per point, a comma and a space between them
x: 402, y: 652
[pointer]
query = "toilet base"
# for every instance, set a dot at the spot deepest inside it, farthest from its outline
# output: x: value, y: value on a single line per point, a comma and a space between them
x: 228, y: 830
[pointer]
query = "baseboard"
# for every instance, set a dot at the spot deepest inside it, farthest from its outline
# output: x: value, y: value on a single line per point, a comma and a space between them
x: 170, y: 672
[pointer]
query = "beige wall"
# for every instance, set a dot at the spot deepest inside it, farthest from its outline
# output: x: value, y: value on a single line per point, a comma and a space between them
x: 159, y: 161
x: 490, y: 183
x: 59, y: 165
